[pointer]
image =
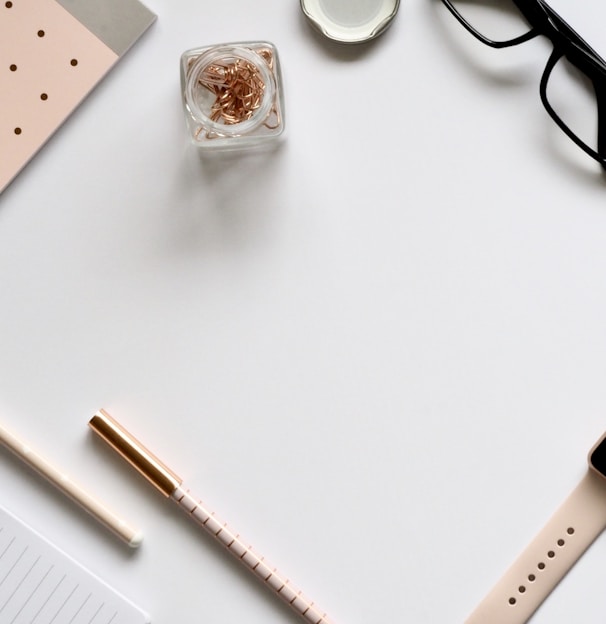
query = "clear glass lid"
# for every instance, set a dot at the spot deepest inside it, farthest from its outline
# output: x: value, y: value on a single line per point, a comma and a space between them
x: 350, y: 21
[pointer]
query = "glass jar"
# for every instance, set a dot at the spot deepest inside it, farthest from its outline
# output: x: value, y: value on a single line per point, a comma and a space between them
x: 232, y: 94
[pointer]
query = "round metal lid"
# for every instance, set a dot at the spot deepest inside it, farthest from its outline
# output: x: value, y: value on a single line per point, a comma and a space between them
x: 350, y: 21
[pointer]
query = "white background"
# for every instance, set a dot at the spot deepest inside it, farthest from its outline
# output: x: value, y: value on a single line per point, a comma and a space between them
x: 379, y: 352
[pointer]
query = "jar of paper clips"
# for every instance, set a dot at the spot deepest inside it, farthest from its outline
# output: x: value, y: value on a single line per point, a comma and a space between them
x: 232, y: 95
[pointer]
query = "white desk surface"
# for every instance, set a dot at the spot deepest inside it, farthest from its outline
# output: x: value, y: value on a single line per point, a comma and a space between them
x: 379, y: 353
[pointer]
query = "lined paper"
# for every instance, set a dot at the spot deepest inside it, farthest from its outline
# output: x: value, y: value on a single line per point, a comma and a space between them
x: 40, y: 584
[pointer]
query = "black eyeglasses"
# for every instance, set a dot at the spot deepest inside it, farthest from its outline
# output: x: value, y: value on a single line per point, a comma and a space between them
x: 567, y: 44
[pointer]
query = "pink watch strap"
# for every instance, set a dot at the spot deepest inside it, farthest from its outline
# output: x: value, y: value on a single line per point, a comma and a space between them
x: 532, y: 577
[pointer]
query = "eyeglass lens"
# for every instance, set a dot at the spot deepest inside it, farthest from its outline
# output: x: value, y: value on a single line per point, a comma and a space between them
x: 498, y: 20
x: 570, y: 96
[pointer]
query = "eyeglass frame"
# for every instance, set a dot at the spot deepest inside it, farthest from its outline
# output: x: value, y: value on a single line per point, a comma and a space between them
x: 543, y: 20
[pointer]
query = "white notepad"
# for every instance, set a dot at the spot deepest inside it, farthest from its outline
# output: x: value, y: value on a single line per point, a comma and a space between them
x: 40, y: 584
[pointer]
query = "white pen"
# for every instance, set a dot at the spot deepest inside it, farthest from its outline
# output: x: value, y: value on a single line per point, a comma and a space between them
x: 169, y: 484
x: 95, y: 508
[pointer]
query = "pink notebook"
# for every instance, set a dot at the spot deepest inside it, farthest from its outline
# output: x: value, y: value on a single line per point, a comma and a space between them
x: 52, y: 54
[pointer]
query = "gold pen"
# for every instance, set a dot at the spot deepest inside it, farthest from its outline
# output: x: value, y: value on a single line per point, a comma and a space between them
x: 170, y: 485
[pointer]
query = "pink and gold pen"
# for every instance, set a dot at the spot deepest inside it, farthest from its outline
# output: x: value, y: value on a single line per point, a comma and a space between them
x: 170, y: 485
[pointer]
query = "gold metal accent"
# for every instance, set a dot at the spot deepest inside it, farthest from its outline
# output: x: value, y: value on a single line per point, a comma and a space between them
x: 238, y: 89
x: 159, y: 475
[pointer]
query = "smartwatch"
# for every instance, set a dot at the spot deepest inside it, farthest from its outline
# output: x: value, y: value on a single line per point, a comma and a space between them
x: 569, y: 532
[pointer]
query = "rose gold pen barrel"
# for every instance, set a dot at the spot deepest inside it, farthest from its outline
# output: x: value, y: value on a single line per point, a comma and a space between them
x: 169, y: 484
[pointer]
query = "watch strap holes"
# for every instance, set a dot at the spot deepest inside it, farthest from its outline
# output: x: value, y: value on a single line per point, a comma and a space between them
x: 541, y: 565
